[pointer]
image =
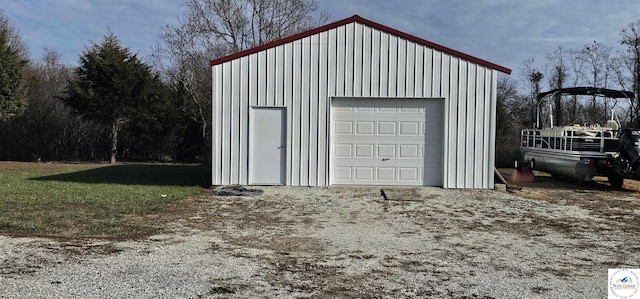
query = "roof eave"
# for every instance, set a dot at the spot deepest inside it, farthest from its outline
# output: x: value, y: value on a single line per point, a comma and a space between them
x: 366, y: 22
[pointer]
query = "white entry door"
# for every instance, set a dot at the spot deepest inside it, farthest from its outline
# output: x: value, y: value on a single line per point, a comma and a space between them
x: 387, y: 141
x: 267, y: 146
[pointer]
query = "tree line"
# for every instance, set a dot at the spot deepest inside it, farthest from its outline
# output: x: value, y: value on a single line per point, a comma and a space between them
x: 117, y: 106
x: 595, y: 64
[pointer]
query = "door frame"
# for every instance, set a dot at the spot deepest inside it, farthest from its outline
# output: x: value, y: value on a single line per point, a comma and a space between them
x: 283, y: 145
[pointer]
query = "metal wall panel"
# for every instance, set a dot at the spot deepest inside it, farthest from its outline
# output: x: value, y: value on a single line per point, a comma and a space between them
x: 216, y: 115
x: 244, y: 114
x: 366, y: 62
x: 305, y: 115
x: 357, y: 61
x: 472, y: 120
x: 323, y: 109
x: 235, y: 121
x: 383, y: 72
x: 296, y: 113
x: 313, y: 110
x: 227, y: 110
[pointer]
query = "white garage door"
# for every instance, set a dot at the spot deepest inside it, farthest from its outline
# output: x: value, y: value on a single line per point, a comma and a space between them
x: 387, y: 141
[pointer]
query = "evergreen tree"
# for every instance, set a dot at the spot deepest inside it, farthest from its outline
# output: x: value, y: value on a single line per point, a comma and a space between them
x: 112, y: 86
x: 13, y: 91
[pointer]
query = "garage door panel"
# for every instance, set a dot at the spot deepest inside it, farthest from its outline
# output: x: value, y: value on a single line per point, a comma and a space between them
x: 351, y: 162
x: 342, y: 150
x: 376, y: 138
x: 341, y: 173
x: 343, y: 127
x: 387, y: 141
x: 365, y: 127
x: 364, y: 173
x: 387, y: 128
x: 365, y: 150
x: 376, y: 152
x: 386, y: 174
x: 384, y: 127
x: 365, y: 109
x: 409, y: 151
x: 408, y: 174
x: 386, y: 151
x: 409, y: 110
x: 410, y: 128
x: 379, y: 175
x: 340, y: 108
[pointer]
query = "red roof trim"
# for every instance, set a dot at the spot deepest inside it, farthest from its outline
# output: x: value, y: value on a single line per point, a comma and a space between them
x: 363, y: 21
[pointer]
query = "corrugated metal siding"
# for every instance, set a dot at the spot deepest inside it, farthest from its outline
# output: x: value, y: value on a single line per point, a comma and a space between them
x: 353, y: 60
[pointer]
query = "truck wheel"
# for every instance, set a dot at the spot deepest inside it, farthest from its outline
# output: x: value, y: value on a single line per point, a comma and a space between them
x: 616, y: 181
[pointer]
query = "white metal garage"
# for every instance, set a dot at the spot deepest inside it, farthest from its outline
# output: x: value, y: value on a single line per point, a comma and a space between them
x: 327, y: 106
x: 387, y: 141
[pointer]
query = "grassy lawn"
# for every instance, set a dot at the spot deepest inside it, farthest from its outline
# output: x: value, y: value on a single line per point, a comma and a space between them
x: 92, y: 200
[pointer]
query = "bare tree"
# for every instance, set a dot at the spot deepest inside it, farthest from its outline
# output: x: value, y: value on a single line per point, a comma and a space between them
x: 630, y: 39
x: 229, y: 26
x: 508, y: 109
x: 533, y: 77
x: 594, y: 64
x: 48, y: 130
x: 557, y: 79
x: 598, y: 67
x: 576, y: 67
x: 47, y: 124
x: 211, y: 29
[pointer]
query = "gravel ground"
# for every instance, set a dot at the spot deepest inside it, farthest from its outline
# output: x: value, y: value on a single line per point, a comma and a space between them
x: 345, y: 242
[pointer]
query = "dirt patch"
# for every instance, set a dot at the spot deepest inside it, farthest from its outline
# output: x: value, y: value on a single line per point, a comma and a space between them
x: 339, y: 237
x: 550, y: 239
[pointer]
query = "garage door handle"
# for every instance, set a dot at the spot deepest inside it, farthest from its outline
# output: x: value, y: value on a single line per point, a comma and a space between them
x: 282, y: 146
x: 385, y: 159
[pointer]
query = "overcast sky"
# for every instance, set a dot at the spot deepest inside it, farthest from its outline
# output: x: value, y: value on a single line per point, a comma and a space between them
x: 505, y: 32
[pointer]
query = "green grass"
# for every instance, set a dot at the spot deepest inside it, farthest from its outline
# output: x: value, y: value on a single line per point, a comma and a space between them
x: 90, y: 200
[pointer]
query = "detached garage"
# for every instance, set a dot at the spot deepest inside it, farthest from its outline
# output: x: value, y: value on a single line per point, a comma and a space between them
x: 354, y: 102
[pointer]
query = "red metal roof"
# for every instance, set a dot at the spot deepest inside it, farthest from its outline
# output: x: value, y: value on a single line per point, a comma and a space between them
x: 369, y: 23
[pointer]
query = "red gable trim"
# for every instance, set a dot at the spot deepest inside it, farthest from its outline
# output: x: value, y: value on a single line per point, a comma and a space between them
x: 363, y: 21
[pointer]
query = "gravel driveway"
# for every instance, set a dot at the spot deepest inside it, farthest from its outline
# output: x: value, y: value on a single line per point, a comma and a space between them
x: 345, y: 242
